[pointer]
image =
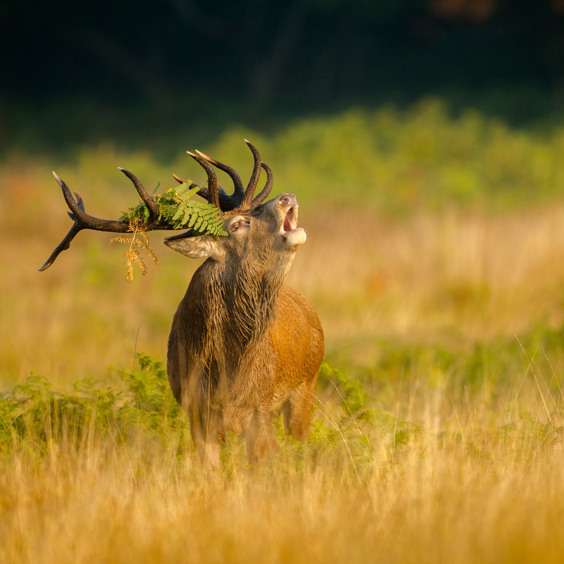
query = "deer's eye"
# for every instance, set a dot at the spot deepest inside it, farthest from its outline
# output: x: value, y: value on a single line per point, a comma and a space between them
x: 237, y: 224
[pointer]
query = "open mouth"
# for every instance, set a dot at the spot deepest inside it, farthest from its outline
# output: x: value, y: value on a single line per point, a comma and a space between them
x: 290, y: 221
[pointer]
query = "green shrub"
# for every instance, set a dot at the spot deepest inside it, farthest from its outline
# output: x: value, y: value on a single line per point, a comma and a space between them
x: 135, y: 402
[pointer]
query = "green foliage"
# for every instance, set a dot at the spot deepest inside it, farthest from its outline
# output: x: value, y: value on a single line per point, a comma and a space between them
x: 420, y: 158
x: 358, y: 415
x: 423, y: 157
x: 33, y: 415
x: 357, y: 425
x: 177, y: 208
x: 150, y: 402
x: 139, y: 403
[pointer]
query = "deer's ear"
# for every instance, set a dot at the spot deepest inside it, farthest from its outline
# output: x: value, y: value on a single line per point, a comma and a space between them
x: 203, y: 246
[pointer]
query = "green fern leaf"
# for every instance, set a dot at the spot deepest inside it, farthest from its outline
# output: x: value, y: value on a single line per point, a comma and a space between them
x: 179, y: 213
x: 177, y: 207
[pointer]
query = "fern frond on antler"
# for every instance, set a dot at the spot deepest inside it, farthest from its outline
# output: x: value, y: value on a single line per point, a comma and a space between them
x: 177, y: 207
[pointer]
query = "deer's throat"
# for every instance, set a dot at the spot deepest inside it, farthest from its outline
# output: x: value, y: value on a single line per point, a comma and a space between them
x: 247, y: 317
x: 235, y: 311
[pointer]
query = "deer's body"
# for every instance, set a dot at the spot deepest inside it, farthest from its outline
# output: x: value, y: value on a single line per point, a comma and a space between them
x: 243, y: 345
x: 275, y: 371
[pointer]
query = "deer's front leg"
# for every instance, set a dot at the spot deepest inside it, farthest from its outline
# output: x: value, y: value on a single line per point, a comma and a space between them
x: 259, y: 437
x: 206, y: 421
x: 207, y: 434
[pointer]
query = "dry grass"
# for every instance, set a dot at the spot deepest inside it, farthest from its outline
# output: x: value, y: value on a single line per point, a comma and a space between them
x: 457, y: 492
x: 445, y: 277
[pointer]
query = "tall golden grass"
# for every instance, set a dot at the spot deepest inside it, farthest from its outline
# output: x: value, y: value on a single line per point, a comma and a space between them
x: 466, y: 488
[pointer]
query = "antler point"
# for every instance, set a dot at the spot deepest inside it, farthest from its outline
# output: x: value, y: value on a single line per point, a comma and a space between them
x: 206, y: 157
x: 178, y: 179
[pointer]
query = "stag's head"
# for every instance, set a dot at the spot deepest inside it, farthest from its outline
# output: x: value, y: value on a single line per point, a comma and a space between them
x: 264, y: 234
x: 261, y: 236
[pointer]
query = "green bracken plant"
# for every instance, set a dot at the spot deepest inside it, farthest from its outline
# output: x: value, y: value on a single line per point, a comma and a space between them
x: 176, y: 207
x: 33, y: 415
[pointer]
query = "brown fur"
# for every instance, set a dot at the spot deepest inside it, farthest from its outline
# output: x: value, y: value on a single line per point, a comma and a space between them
x: 243, y: 346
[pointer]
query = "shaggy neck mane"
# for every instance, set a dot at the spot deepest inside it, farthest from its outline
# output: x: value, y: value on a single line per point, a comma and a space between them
x: 238, y: 306
x: 249, y: 298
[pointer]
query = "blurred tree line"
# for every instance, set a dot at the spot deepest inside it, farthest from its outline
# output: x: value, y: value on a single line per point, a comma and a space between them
x: 284, y: 56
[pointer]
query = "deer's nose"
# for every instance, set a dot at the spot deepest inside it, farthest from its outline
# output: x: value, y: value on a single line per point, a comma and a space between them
x: 287, y: 200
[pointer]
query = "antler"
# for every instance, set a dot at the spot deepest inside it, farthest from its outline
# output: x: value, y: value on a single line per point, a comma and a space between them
x: 84, y: 221
x: 241, y: 199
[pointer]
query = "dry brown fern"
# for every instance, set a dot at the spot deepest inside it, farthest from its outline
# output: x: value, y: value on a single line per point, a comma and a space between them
x: 132, y: 255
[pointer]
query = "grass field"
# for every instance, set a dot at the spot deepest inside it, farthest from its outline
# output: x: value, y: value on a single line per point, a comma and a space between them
x: 434, y: 259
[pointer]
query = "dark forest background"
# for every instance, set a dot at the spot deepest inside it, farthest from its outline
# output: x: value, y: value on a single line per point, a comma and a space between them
x: 78, y: 72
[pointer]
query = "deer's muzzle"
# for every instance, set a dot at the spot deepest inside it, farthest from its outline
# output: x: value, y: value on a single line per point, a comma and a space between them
x: 288, y: 227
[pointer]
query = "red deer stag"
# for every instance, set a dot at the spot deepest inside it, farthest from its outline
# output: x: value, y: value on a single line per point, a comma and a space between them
x: 243, y: 345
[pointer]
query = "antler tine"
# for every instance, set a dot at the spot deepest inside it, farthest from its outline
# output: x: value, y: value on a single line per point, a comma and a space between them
x: 252, y: 185
x: 267, y: 187
x: 143, y: 194
x: 178, y: 179
x: 80, y: 203
x: 226, y: 203
x: 213, y: 195
x: 237, y: 182
x: 75, y: 206
x: 62, y: 246
x: 81, y: 221
x: 84, y: 220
